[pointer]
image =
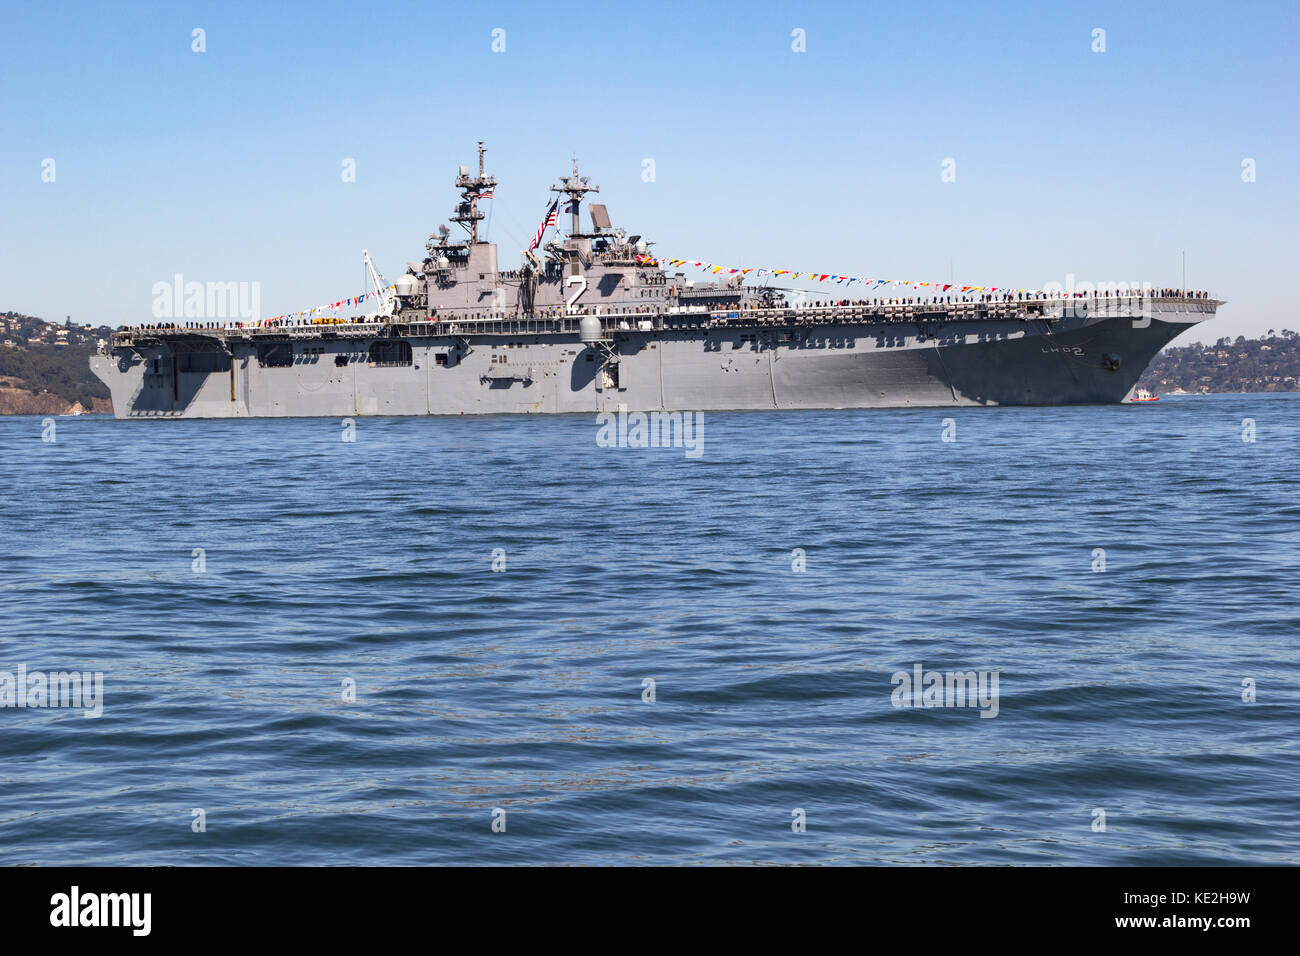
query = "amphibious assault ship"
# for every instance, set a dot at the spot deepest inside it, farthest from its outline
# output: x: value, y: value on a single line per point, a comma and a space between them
x: 597, y: 323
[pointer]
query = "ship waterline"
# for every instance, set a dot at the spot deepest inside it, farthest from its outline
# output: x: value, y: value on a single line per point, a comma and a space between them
x: 600, y: 326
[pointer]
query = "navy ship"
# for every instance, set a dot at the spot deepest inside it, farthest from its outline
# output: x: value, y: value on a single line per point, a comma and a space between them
x: 592, y: 321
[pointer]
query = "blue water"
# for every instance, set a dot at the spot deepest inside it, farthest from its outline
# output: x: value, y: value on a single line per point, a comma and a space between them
x: 522, y: 689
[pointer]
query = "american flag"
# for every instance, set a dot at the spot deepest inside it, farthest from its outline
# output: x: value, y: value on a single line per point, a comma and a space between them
x: 487, y: 194
x: 546, y: 223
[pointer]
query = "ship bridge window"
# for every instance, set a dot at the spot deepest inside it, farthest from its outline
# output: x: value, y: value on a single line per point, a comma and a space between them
x: 388, y: 352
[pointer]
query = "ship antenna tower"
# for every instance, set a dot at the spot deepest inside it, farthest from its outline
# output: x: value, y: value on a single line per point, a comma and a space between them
x: 472, y: 188
x: 575, y: 188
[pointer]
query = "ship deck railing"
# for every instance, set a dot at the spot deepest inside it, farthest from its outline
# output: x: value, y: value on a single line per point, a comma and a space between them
x: 649, y: 318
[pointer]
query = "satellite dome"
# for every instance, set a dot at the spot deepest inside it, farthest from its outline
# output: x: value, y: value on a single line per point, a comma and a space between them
x: 589, y: 329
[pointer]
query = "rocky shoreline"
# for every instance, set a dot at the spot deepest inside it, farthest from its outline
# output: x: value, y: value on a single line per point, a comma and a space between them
x: 21, y: 401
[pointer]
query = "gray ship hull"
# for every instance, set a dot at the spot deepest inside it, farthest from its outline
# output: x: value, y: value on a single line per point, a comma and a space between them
x: 1059, y: 359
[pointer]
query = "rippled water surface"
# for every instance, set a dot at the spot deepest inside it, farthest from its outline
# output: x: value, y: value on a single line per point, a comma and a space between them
x: 325, y: 562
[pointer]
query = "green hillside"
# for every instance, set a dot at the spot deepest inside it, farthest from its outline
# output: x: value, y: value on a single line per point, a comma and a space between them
x: 42, y: 356
x: 1268, y: 364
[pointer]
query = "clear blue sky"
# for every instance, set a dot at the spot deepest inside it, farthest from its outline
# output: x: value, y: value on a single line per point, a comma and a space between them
x: 225, y: 165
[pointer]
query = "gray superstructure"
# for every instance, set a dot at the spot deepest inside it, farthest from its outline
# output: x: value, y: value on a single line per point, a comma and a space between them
x: 597, y: 324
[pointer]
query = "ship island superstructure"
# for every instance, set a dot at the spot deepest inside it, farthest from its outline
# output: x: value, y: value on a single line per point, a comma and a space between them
x: 595, y: 322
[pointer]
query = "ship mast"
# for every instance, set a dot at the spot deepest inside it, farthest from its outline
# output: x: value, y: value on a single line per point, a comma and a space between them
x: 575, y: 188
x: 467, y: 212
